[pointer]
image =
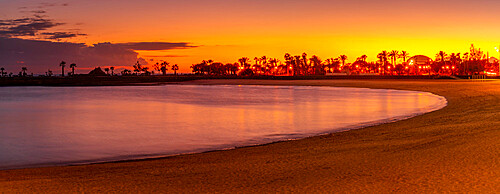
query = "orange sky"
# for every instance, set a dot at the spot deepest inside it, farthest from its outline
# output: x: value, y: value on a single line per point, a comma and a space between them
x: 226, y: 30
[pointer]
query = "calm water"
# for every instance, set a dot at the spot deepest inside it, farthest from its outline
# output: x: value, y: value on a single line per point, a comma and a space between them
x: 43, y: 126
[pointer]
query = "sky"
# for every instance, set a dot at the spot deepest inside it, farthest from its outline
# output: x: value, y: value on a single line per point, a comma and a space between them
x: 39, y: 34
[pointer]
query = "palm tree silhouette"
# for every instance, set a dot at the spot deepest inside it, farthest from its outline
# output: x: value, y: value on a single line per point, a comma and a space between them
x: 164, y: 67
x: 23, y: 70
x: 343, y: 58
x: 304, y: 65
x: 175, y: 68
x: 244, y: 62
x: 318, y: 68
x: 382, y: 56
x: 288, y: 62
x: 137, y: 68
x: 404, y: 55
x: 72, y: 66
x: 455, y: 60
x: 2, y: 69
x: 106, y: 70
x: 62, y: 64
x: 394, y: 54
x: 363, y: 58
x: 441, y: 55
x: 112, y: 70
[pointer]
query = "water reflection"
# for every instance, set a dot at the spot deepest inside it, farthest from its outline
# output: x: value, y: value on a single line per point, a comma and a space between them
x: 45, y: 125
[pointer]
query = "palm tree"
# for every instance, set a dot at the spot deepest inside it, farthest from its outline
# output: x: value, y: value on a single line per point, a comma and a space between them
x: 288, y: 62
x: 343, y: 58
x: 23, y: 70
x: 363, y: 58
x: 441, y: 55
x: 455, y: 59
x: 317, y: 65
x: 107, y: 70
x: 273, y: 64
x: 62, y: 64
x: 175, y: 68
x: 256, y: 59
x: 72, y: 66
x: 244, y: 62
x: 164, y: 67
x: 305, y: 67
x: 382, y: 56
x: 2, y: 69
x: 137, y: 68
x: 404, y: 55
x: 394, y: 54
x: 296, y: 64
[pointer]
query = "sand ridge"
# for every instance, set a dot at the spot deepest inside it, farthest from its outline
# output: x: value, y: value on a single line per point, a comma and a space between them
x: 455, y: 149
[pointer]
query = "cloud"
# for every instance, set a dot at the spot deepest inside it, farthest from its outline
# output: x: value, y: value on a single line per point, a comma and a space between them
x: 25, y: 26
x: 61, y: 35
x: 155, y: 45
x: 36, y: 27
x: 46, y: 4
x: 40, y: 55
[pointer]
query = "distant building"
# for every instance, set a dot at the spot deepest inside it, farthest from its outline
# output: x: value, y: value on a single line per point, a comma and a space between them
x: 419, y: 60
x: 97, y: 72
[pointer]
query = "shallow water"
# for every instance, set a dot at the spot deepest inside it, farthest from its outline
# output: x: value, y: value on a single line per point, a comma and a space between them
x: 45, y: 126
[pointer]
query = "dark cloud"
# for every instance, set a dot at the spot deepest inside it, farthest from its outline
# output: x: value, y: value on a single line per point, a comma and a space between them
x: 25, y: 26
x: 36, y: 27
x: 45, y: 4
x: 60, y: 35
x: 155, y: 45
x: 38, y: 11
x: 39, y: 55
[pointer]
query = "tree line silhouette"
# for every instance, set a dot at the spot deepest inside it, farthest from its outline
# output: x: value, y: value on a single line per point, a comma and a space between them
x: 389, y: 63
x: 474, y: 62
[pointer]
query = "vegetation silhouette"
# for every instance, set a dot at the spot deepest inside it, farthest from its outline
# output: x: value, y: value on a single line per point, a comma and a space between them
x: 475, y: 62
x: 62, y: 64
x: 175, y: 68
x: 72, y: 66
x: 23, y: 72
x: 393, y: 63
x: 162, y: 67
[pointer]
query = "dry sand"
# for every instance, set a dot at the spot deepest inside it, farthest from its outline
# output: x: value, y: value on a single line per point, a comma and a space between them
x: 454, y: 149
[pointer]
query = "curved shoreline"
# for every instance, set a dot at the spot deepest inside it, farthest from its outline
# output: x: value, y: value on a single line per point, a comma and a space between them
x: 453, y: 149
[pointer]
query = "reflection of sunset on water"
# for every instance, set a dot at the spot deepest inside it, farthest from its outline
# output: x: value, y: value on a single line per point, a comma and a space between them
x: 112, y: 123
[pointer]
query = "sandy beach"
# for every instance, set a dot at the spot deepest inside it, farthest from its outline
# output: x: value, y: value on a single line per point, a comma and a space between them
x: 455, y: 149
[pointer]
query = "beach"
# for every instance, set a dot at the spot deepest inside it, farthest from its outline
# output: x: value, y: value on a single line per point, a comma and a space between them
x: 455, y: 149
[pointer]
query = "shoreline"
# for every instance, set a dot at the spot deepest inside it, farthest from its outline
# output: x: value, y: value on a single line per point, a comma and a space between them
x: 180, y: 168
x: 132, y: 80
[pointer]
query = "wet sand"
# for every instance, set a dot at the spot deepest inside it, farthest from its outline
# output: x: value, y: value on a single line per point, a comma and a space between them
x: 454, y: 149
